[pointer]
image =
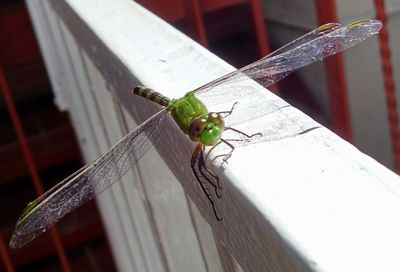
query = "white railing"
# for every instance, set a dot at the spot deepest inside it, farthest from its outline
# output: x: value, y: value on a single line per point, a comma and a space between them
x: 311, y: 202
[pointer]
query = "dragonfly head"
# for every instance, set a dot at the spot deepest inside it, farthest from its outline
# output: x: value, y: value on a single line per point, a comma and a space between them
x: 207, y: 128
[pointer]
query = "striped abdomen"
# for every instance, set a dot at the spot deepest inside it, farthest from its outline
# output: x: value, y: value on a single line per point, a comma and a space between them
x: 151, y: 95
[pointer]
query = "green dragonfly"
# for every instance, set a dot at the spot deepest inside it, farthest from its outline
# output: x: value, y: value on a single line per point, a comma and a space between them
x: 194, y: 119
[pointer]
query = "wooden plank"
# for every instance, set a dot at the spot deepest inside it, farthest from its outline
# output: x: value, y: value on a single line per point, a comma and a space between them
x: 112, y: 132
x: 42, y: 28
x: 95, y: 141
x: 205, y: 236
x: 64, y: 76
x: 313, y: 216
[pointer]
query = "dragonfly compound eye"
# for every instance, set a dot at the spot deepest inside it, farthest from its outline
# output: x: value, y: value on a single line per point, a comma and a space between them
x: 216, y: 119
x: 196, y: 128
x: 213, y: 130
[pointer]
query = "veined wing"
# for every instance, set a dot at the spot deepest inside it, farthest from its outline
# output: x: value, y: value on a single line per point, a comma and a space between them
x: 318, y: 44
x: 306, y: 38
x: 87, y: 182
x: 310, y: 36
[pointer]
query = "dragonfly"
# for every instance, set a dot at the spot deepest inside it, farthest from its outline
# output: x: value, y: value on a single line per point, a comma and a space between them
x: 205, y: 128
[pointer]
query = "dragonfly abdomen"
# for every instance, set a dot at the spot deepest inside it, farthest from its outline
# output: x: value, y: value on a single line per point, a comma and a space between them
x: 152, y: 95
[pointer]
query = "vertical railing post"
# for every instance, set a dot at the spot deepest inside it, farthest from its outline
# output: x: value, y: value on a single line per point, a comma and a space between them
x: 260, y: 28
x: 196, y: 23
x: 336, y: 78
x: 390, y: 90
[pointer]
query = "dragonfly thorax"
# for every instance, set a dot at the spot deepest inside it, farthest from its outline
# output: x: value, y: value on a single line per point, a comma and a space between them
x: 207, y: 128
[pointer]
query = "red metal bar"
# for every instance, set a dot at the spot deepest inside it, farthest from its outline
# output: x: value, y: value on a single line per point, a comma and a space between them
x: 336, y: 78
x: 196, y: 22
x: 261, y: 33
x: 260, y: 27
x: 5, y: 256
x: 390, y: 89
x: 30, y: 162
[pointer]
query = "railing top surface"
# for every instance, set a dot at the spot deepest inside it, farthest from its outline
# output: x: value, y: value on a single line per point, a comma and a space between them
x: 335, y: 207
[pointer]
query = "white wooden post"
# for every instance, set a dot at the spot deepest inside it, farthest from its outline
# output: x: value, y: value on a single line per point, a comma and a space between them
x: 305, y: 203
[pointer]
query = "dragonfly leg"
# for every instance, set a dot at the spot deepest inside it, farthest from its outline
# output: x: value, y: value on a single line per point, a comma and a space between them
x: 208, y: 156
x: 196, y: 159
x: 227, y: 113
x: 227, y: 142
x: 242, y: 133
x: 227, y: 155
x: 202, y: 166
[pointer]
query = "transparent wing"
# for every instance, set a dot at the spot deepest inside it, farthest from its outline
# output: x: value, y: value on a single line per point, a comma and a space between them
x: 318, y: 44
x: 312, y: 35
x: 87, y: 182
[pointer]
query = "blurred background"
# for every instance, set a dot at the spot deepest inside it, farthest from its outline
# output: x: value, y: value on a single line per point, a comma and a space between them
x: 353, y: 93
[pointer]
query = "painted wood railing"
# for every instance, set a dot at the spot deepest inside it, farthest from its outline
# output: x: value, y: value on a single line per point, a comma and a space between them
x: 303, y: 203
